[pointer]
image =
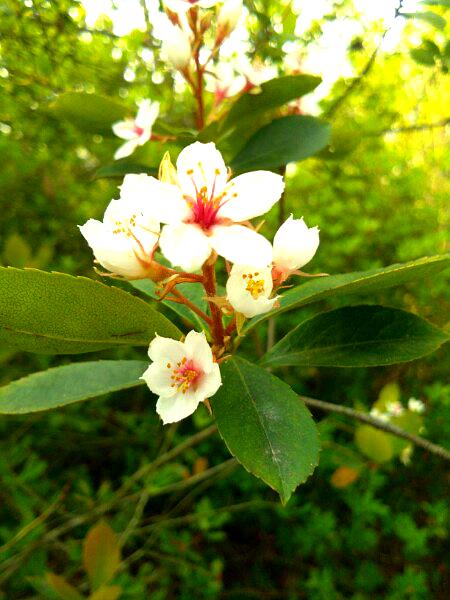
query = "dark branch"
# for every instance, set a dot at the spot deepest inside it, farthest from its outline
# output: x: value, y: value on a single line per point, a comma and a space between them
x: 378, y: 424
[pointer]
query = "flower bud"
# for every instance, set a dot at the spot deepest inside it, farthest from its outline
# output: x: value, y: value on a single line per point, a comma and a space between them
x: 177, y: 48
x: 294, y: 245
x: 228, y: 17
x: 167, y: 171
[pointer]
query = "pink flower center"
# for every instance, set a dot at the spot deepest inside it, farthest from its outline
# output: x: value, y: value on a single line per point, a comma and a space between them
x: 185, y: 375
x: 205, y: 207
x: 138, y: 130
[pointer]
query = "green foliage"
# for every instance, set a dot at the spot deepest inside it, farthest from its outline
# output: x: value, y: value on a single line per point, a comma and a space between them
x: 356, y: 336
x: 71, y: 383
x: 282, y: 141
x: 265, y: 426
x: 36, y: 317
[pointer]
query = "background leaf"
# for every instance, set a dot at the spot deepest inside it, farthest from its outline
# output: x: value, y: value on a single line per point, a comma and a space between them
x: 62, y: 588
x: 101, y: 554
x: 89, y: 112
x: 119, y: 169
x: 265, y: 426
x: 70, y: 383
x: 357, y: 336
x: 274, y: 93
x: 111, y: 592
x: 360, y: 282
x: 429, y: 17
x: 59, y: 314
x: 282, y: 141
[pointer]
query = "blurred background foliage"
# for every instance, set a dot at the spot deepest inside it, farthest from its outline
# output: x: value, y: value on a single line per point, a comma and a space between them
x: 363, y: 526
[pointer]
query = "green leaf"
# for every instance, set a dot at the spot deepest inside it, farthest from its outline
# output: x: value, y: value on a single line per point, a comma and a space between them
x: 356, y: 336
x: 282, y: 141
x: 68, y: 384
x: 445, y: 3
x: 89, y: 112
x: 120, y: 169
x: 192, y: 291
x: 424, y: 56
x: 265, y: 426
x: 360, y: 282
x: 374, y: 444
x: 62, y: 588
x: 53, y: 313
x: 274, y: 93
x: 429, y: 17
x: 101, y: 554
x: 111, y: 592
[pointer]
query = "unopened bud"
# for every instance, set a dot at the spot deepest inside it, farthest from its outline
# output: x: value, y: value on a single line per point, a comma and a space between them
x: 228, y: 18
x: 167, y: 172
x: 177, y: 48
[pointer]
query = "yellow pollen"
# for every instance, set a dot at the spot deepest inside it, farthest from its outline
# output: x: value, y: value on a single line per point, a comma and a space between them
x: 190, y: 171
x: 255, y: 287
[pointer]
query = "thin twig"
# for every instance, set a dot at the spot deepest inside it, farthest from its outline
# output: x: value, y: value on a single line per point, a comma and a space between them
x: 416, y: 127
x: 183, y: 300
x: 378, y: 424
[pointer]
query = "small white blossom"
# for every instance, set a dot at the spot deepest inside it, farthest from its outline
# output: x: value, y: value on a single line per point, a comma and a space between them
x: 228, y: 17
x: 124, y: 241
x: 257, y: 72
x: 136, y: 131
x: 203, y: 210
x: 182, y: 374
x: 177, y: 48
x: 249, y: 288
x: 379, y: 415
x: 294, y: 245
x: 224, y: 82
x: 415, y: 405
x: 395, y: 409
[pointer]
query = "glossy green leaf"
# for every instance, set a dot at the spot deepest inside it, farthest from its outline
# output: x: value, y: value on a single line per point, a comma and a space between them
x: 192, y: 291
x: 356, y: 336
x: 89, y: 112
x: 64, y: 385
x: 429, y: 17
x: 120, y: 169
x: 101, y: 554
x: 360, y: 282
x: 282, y: 141
x: 274, y: 93
x: 53, y: 313
x: 444, y: 3
x: 265, y: 426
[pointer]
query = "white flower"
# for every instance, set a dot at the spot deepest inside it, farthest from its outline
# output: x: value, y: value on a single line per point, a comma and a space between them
x: 124, y: 242
x: 136, y: 131
x: 181, y: 6
x: 177, y: 48
x: 224, y: 82
x: 258, y: 72
x: 395, y: 409
x: 182, y: 374
x: 203, y: 210
x: 379, y: 415
x: 415, y: 405
x: 228, y: 17
x: 294, y: 245
x: 249, y: 288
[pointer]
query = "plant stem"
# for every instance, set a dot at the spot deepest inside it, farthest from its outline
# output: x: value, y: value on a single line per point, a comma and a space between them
x: 378, y: 424
x: 183, y: 300
x: 209, y: 283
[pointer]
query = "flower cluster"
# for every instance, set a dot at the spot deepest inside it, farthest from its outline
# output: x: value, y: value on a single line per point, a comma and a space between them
x: 193, y: 214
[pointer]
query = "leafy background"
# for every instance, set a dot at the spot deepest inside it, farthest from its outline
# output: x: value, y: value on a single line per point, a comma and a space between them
x: 360, y: 527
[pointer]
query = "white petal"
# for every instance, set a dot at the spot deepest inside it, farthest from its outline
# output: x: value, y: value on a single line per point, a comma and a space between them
x: 147, y: 114
x: 251, y: 195
x: 125, y: 129
x: 158, y: 379
x: 165, y: 202
x: 240, y: 244
x: 294, y: 244
x: 201, y: 165
x: 241, y: 298
x: 185, y: 245
x: 115, y: 252
x: 177, y: 407
x: 166, y: 349
x: 126, y: 149
x: 199, y: 350
x: 210, y: 383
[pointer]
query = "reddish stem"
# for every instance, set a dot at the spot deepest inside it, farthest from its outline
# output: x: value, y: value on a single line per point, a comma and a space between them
x: 209, y: 283
x: 183, y: 300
